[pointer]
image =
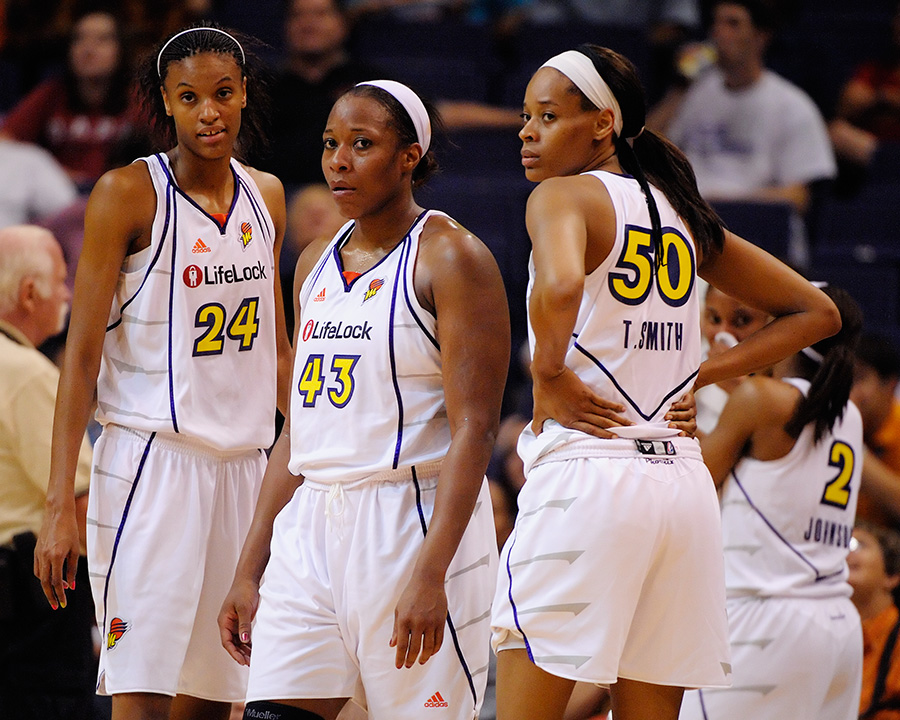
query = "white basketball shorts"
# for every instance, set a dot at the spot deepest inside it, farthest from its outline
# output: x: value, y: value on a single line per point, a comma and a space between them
x: 797, y: 658
x: 614, y: 568
x: 341, y: 557
x: 167, y: 518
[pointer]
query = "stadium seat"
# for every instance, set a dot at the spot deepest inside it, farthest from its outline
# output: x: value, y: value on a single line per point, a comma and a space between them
x: 766, y: 224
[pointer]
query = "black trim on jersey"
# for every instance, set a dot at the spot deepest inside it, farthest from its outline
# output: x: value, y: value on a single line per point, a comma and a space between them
x: 321, y: 263
x: 171, y: 304
x: 348, y: 286
x: 625, y: 395
x: 115, y: 549
x: 237, y: 186
x: 394, y: 367
x: 819, y: 576
x: 162, y: 242
x: 261, y: 214
x: 409, y: 304
x: 459, y: 652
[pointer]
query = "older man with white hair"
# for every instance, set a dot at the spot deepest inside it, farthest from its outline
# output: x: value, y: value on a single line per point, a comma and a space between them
x: 47, y: 661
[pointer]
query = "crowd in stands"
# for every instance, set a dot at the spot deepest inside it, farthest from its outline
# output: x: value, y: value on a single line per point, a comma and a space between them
x: 788, y: 111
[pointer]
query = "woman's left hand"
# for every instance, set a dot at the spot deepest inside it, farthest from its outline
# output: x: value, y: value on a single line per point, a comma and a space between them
x: 682, y: 415
x: 419, y: 620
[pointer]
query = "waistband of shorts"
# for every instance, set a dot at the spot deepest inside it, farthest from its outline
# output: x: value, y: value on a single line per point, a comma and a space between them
x: 182, y: 444
x: 400, y: 475
x: 682, y: 447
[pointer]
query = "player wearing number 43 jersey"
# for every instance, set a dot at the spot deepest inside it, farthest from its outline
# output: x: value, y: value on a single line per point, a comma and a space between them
x: 182, y: 247
x: 374, y: 525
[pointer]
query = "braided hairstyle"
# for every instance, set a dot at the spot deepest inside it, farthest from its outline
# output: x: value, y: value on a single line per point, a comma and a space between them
x: 832, y: 378
x: 208, y: 37
x: 650, y: 158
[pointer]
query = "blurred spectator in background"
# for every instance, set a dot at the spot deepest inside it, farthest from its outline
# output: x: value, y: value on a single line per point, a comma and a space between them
x: 82, y: 116
x: 47, y: 662
x: 33, y: 185
x: 749, y: 133
x: 875, y: 378
x: 874, y: 563
x: 311, y: 214
x: 318, y: 69
x: 868, y: 111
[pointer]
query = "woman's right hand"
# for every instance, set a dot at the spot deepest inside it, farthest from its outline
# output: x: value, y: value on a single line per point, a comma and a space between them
x: 235, y: 619
x: 56, y: 555
x: 568, y: 400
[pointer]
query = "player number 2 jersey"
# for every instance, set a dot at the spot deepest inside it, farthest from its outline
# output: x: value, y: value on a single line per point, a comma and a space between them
x: 367, y: 392
x: 190, y: 343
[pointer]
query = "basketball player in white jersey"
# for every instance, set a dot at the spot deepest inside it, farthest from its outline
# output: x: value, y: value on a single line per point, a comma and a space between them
x: 788, y: 450
x: 613, y: 573
x: 383, y: 553
x: 177, y: 308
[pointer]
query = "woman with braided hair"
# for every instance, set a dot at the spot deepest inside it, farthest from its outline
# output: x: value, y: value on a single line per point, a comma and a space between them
x: 178, y: 327
x: 613, y: 574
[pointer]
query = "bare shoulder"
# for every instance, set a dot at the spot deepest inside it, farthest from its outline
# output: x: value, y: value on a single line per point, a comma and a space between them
x: 125, y: 196
x: 447, y: 245
x: 568, y: 191
x: 269, y: 185
x: 770, y: 401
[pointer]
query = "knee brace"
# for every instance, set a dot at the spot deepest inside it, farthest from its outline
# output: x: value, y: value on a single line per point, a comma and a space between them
x: 273, y: 711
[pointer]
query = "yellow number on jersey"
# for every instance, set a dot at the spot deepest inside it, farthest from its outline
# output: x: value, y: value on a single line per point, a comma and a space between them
x: 837, y: 491
x: 311, y: 380
x: 244, y: 326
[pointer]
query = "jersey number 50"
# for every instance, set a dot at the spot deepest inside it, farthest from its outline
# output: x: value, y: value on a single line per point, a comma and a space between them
x: 674, y: 278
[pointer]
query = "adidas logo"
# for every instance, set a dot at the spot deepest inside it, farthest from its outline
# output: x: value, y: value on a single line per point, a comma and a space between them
x: 320, y: 297
x: 436, y: 701
x: 200, y: 247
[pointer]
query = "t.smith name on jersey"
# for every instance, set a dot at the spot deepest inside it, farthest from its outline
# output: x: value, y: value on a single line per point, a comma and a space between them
x: 194, y: 275
x: 317, y: 330
x: 654, y: 335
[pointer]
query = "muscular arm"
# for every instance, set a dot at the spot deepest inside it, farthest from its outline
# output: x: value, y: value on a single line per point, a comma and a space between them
x: 561, y: 215
x: 273, y: 193
x: 724, y: 446
x: 453, y: 270
x: 803, y: 313
x: 119, y: 216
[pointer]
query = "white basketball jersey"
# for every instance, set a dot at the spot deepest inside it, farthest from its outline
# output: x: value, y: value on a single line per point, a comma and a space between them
x: 637, y: 337
x: 368, y: 392
x: 787, y: 523
x: 190, y: 345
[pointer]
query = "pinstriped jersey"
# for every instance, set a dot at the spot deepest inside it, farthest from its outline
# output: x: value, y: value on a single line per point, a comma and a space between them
x: 787, y: 523
x: 637, y: 336
x: 190, y: 344
x: 367, y: 391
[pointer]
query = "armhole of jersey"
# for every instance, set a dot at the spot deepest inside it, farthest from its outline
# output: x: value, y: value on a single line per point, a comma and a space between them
x: 424, y: 319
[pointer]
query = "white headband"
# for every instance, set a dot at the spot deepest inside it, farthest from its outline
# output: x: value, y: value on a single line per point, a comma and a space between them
x: 813, y: 355
x: 413, y: 106
x: 196, y: 29
x: 579, y: 68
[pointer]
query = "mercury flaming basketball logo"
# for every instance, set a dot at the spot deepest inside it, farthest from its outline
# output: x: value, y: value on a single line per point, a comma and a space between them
x: 117, y: 628
x: 246, y: 234
x: 373, y: 288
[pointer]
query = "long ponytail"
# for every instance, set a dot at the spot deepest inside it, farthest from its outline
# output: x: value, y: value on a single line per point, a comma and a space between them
x: 652, y: 159
x: 829, y: 364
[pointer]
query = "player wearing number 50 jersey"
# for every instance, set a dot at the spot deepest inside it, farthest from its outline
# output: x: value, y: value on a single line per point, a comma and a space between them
x: 178, y: 309
x: 613, y: 572
x: 787, y: 451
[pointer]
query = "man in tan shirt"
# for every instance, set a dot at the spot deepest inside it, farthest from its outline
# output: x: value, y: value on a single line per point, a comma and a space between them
x: 46, y: 657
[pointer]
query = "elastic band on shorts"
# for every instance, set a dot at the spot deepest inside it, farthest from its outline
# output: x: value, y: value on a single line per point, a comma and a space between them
x: 616, y: 448
x: 183, y: 444
x: 423, y: 471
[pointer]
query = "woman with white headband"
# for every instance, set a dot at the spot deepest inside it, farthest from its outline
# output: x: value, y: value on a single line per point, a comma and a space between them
x: 613, y: 573
x: 787, y: 454
x: 380, y: 565
x: 178, y: 309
